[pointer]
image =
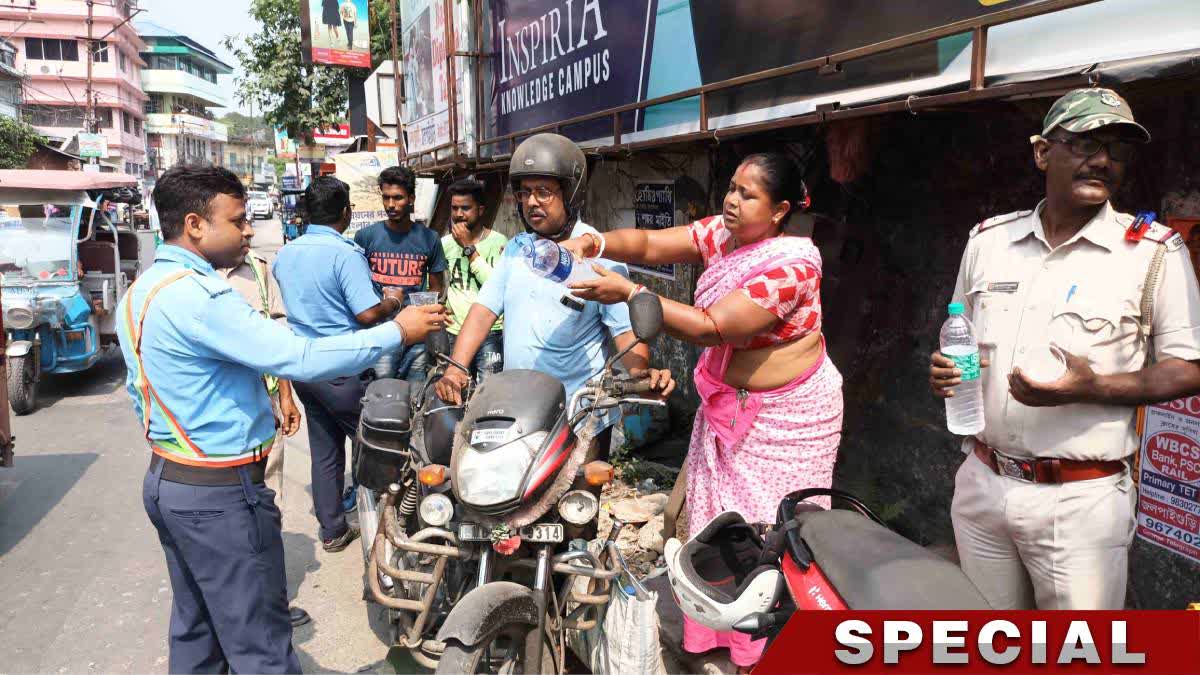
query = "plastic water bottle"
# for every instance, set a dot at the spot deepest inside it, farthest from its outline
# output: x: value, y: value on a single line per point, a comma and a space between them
x: 551, y: 261
x: 964, y: 410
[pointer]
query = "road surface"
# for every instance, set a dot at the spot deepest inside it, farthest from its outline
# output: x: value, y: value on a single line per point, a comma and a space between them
x: 82, y: 576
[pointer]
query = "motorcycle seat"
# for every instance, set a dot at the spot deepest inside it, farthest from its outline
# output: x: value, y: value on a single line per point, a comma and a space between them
x: 872, y: 567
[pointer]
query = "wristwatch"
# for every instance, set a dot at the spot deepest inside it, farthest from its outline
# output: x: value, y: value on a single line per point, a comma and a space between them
x: 468, y: 251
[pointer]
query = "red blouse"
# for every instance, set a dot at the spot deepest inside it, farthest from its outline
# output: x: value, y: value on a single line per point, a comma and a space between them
x: 790, y: 291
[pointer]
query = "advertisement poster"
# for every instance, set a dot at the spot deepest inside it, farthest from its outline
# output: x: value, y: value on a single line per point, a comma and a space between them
x: 93, y: 145
x: 427, y: 96
x: 654, y: 209
x: 563, y: 58
x: 336, y: 32
x: 559, y: 59
x: 1169, y: 504
x: 360, y: 170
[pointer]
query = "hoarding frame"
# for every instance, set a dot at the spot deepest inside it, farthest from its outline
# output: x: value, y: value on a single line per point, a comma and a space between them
x: 430, y: 160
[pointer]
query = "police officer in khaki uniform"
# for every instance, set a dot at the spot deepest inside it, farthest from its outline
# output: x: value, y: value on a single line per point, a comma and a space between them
x: 252, y: 279
x: 1044, y: 504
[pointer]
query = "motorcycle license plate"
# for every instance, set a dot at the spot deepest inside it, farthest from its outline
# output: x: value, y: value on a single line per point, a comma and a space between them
x: 473, y: 532
x: 542, y: 533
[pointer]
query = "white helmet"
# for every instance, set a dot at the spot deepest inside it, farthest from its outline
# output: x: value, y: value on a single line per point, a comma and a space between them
x: 721, y: 576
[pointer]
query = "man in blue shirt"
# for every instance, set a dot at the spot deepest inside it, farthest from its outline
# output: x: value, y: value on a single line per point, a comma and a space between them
x: 545, y: 327
x: 403, y: 254
x: 195, y: 352
x: 327, y: 291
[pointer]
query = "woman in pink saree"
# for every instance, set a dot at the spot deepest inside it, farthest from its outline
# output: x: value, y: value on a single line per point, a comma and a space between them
x: 771, y: 400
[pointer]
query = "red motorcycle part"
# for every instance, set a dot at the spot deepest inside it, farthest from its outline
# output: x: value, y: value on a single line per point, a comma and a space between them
x: 557, y: 452
x: 809, y: 587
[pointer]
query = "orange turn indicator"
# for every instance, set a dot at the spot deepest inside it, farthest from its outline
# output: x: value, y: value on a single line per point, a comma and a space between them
x: 432, y: 475
x: 597, y: 472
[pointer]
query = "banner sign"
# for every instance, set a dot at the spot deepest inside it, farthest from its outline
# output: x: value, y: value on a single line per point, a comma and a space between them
x: 93, y: 145
x: 336, y: 32
x: 985, y: 641
x: 426, y: 75
x: 654, y: 209
x: 360, y: 170
x: 558, y: 59
x: 1169, y: 491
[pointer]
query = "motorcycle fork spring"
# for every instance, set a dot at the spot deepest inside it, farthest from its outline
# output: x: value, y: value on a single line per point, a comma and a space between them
x: 408, y: 504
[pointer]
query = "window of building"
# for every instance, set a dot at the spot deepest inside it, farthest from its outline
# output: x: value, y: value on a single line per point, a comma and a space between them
x: 66, y: 116
x: 137, y: 126
x: 126, y: 123
x: 123, y: 61
x: 99, y: 51
x: 49, y: 49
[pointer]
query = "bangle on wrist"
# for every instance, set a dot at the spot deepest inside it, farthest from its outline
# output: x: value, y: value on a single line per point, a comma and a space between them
x: 601, y: 242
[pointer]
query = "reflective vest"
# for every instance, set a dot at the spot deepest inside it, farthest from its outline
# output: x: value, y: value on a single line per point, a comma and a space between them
x: 264, y: 293
x: 180, y: 448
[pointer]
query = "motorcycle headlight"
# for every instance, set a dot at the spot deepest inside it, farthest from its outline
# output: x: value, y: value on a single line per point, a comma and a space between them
x: 436, y: 510
x: 19, y: 318
x: 495, y: 476
x: 578, y: 507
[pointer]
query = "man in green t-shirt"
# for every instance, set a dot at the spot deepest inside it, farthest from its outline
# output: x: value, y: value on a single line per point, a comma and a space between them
x: 472, y: 250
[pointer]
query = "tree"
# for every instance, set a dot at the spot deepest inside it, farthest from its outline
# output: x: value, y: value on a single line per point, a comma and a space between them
x: 244, y: 126
x: 292, y: 95
x: 18, y: 142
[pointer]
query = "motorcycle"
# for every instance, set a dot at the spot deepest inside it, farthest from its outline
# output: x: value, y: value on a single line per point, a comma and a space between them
x: 826, y: 559
x: 483, y: 526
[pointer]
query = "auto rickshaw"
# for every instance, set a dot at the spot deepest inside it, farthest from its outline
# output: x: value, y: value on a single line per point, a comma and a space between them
x: 64, y: 266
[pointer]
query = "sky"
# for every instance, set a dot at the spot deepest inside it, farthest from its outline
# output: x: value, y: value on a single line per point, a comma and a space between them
x: 206, y: 22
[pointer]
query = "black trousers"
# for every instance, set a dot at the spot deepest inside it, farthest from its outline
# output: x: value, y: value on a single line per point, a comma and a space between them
x: 333, y: 408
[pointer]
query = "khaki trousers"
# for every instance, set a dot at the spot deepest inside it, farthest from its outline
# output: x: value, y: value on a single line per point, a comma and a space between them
x: 1026, y: 545
x: 274, y: 471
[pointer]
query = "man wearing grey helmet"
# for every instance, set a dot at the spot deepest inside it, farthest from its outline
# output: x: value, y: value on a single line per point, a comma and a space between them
x: 1044, y: 504
x: 545, y: 327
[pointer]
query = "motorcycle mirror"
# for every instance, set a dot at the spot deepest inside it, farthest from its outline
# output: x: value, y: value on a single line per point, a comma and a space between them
x: 438, y: 343
x: 646, y: 315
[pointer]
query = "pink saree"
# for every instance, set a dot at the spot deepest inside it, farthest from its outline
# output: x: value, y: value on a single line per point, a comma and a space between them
x: 788, y: 439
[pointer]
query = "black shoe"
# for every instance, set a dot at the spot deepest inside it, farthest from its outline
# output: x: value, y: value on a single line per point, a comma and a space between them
x: 339, y: 543
x: 298, y: 616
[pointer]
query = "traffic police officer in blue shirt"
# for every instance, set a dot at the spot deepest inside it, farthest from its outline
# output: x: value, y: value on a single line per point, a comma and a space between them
x: 195, y: 354
x: 326, y: 286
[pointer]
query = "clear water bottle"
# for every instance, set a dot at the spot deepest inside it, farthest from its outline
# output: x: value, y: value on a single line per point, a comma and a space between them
x: 964, y: 410
x: 551, y: 261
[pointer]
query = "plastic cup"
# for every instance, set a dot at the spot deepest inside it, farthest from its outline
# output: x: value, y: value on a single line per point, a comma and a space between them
x: 423, y: 298
x: 1044, y: 364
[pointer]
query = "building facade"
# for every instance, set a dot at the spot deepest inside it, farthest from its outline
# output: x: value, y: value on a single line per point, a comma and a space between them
x: 180, y: 81
x: 10, y: 81
x: 52, y: 53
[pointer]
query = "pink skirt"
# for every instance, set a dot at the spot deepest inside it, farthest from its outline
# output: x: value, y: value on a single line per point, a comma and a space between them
x: 791, y: 445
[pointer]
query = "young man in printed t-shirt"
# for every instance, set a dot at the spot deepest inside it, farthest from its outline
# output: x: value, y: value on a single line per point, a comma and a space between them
x: 406, y: 255
x: 472, y: 252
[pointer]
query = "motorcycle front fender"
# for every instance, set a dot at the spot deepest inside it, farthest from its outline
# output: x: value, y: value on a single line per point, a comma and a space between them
x: 493, y: 604
x: 18, y: 348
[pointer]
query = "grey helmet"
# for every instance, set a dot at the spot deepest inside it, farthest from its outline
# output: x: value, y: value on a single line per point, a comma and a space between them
x: 552, y: 156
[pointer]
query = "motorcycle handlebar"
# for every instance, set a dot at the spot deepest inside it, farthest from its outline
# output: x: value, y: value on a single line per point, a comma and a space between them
x: 641, y: 386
